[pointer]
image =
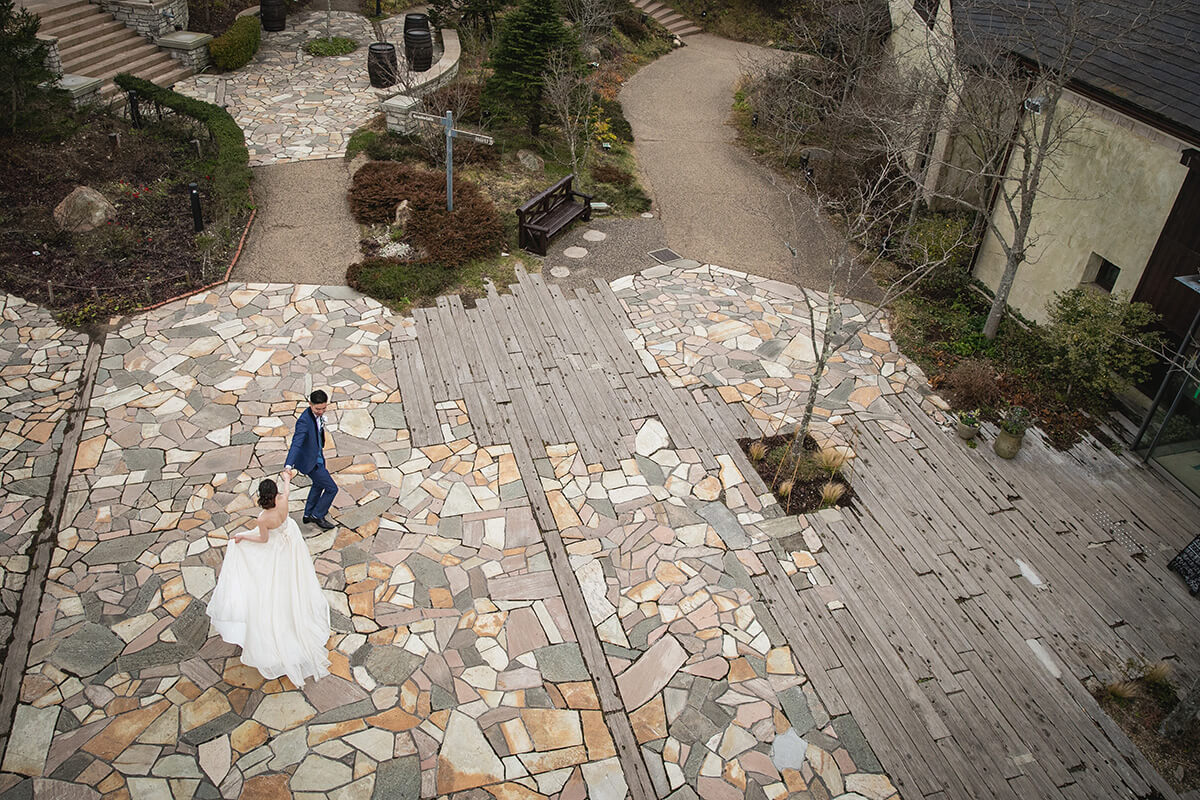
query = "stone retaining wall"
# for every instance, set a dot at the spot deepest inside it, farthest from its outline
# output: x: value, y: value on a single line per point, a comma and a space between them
x: 397, y: 107
x: 53, y: 57
x: 151, y: 20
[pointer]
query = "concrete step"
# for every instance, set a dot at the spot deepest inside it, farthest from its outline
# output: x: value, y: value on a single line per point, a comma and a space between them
x: 103, y: 36
x: 56, y: 17
x: 668, y: 17
x: 112, y: 61
x: 689, y: 29
x: 161, y: 73
x: 83, y: 26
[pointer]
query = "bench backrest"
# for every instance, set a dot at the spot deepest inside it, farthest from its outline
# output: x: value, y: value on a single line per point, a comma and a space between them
x: 560, y: 192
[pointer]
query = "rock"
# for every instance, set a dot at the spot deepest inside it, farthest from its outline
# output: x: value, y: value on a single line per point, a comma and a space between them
x: 319, y: 774
x: 215, y: 759
x: 466, y: 760
x: 605, y: 780
x: 788, y: 750
x: 400, y: 777
x: 390, y: 665
x: 266, y: 787
x: 26, y: 753
x: 531, y: 161
x: 652, y: 671
x: 459, y: 501
x: 88, y: 650
x: 84, y: 209
x: 401, y: 214
x: 561, y: 662
x: 651, y: 438
x: 120, y: 550
x: 284, y: 710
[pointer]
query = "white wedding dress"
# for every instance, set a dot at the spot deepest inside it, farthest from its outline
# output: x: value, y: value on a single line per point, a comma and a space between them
x: 268, y: 602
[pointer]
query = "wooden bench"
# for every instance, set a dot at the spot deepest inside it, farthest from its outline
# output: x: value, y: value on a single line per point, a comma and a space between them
x: 549, y: 213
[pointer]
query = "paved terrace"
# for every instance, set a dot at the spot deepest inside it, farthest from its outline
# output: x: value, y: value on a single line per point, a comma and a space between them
x: 557, y: 577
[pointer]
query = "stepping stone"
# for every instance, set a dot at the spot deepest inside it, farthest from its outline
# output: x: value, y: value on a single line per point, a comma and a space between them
x: 647, y: 215
x: 594, y: 235
x: 560, y: 272
x: 575, y: 252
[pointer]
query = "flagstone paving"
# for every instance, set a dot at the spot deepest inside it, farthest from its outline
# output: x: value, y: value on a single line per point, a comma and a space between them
x: 41, y: 369
x: 293, y: 106
x: 456, y: 664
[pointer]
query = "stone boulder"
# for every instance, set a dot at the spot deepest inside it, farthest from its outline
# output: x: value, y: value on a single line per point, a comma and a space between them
x: 531, y: 161
x: 84, y: 209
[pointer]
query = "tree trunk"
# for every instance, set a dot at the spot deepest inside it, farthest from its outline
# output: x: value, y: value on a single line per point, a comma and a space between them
x: 1184, y: 714
x: 1000, y: 301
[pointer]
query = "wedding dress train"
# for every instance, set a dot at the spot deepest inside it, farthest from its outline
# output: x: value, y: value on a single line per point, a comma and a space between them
x: 268, y: 602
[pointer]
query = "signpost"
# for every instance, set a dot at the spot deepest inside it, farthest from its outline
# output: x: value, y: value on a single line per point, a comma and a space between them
x: 447, y: 122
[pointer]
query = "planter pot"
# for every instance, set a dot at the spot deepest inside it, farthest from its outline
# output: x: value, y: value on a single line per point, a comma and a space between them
x: 1007, y: 444
x: 965, y: 431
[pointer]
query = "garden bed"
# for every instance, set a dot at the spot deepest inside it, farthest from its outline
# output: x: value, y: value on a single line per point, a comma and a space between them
x: 148, y: 253
x: 800, y: 477
x: 1139, y: 705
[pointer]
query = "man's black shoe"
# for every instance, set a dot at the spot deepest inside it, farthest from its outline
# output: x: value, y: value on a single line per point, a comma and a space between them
x: 324, y: 524
x: 307, y: 520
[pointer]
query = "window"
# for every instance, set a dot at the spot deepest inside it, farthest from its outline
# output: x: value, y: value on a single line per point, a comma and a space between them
x: 1101, y: 273
x: 927, y: 9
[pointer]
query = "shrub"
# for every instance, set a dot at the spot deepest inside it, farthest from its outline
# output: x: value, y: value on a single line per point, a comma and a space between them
x: 972, y: 384
x: 449, y: 239
x: 336, y: 46
x: 398, y: 282
x: 934, y: 237
x: 22, y: 61
x: 1101, y: 341
x: 235, y: 47
x: 231, y: 172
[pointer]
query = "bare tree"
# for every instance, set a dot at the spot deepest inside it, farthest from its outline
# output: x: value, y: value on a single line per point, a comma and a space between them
x: 592, y: 19
x: 567, y: 90
x: 1009, y: 71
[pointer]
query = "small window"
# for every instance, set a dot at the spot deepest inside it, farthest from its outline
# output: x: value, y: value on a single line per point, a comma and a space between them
x: 1101, y: 273
x: 927, y: 9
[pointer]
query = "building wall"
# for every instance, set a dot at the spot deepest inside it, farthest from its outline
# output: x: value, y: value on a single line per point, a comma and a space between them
x: 1112, y: 187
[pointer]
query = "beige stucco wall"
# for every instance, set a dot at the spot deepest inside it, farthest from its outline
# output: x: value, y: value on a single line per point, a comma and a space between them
x: 1113, y: 186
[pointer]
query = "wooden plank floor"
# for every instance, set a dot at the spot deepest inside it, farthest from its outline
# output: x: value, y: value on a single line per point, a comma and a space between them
x: 978, y: 596
x: 973, y: 595
x: 581, y: 378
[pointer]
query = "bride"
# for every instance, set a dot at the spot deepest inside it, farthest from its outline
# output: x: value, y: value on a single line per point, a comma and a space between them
x: 268, y: 600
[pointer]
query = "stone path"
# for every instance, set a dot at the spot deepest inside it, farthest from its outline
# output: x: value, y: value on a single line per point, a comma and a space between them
x: 40, y: 362
x: 293, y: 106
x: 456, y: 661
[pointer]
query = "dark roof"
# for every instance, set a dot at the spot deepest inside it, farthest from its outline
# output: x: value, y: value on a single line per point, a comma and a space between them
x: 1142, y: 56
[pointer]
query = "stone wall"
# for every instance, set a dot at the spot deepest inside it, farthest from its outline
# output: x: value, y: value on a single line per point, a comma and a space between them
x: 418, y: 84
x: 53, y: 57
x: 150, y: 20
x: 188, y: 48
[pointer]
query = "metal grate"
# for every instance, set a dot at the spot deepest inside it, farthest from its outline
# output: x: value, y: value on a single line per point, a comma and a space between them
x: 1119, y: 531
x: 665, y: 255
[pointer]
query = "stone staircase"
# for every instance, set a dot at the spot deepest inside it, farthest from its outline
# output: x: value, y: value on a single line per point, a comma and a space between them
x: 668, y: 17
x: 93, y: 44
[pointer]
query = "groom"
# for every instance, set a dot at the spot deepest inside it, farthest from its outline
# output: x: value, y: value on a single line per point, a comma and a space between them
x: 305, y: 455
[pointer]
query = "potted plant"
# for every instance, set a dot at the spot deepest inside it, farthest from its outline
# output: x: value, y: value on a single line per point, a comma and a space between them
x: 1013, y: 424
x: 967, y: 424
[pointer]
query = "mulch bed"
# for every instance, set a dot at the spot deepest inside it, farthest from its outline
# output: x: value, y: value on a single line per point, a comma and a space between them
x: 1178, y: 761
x: 147, y: 254
x: 807, y: 478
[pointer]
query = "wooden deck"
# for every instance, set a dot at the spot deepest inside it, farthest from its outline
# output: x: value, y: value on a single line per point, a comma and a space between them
x: 978, y: 595
x: 963, y: 600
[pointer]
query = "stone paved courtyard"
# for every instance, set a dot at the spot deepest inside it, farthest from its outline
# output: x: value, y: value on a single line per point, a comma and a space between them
x: 293, y: 106
x: 456, y: 665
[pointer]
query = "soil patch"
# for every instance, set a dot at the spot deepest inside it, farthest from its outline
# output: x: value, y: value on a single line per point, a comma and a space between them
x: 149, y: 253
x: 1139, y: 706
x: 800, y: 476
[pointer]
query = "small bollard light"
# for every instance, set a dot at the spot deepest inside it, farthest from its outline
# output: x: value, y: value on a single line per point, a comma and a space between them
x: 378, y: 9
x: 197, y: 218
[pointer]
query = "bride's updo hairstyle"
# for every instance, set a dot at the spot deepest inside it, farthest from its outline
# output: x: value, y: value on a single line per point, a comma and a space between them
x: 267, y: 492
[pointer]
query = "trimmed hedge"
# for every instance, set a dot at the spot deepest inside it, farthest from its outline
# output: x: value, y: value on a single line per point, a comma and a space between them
x: 235, y: 47
x: 231, y: 172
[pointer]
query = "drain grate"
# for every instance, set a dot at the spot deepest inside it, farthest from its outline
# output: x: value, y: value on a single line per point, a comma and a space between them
x: 1119, y: 531
x: 665, y: 255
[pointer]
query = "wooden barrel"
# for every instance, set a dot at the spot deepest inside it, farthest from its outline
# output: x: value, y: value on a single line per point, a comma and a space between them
x: 381, y: 64
x: 416, y: 21
x: 272, y: 14
x: 418, y: 49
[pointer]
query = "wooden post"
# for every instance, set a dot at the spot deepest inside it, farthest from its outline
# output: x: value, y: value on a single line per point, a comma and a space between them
x: 50, y: 291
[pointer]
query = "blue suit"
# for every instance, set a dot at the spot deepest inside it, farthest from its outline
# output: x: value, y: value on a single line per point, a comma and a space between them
x: 307, y: 457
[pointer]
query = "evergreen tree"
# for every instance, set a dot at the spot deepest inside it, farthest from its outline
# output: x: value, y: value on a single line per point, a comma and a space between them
x: 527, y: 39
x: 22, y: 60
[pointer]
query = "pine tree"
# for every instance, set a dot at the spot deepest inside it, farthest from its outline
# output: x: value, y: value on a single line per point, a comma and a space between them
x: 22, y: 59
x: 527, y: 39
